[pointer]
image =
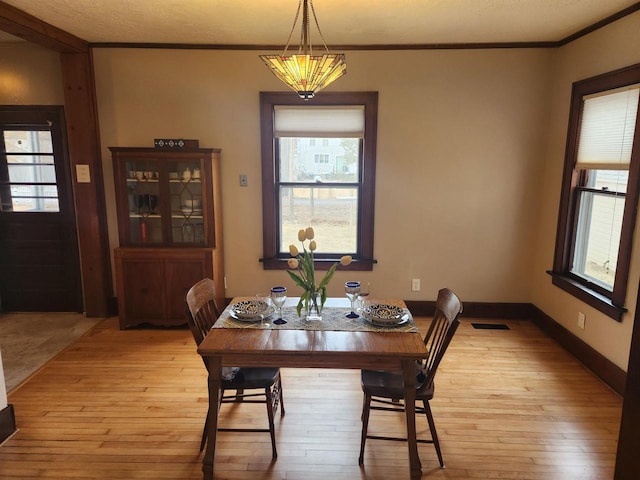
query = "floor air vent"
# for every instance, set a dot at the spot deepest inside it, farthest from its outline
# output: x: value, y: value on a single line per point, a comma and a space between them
x: 490, y: 326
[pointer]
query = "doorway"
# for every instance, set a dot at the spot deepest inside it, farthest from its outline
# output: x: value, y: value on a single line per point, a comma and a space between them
x: 39, y: 261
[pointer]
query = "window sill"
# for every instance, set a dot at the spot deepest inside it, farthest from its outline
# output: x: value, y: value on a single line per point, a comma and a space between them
x: 320, y: 264
x: 587, y: 295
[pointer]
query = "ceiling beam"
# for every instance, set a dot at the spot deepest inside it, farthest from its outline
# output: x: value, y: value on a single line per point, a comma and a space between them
x: 21, y: 24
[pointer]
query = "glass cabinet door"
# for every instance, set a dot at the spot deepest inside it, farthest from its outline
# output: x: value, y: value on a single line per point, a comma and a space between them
x: 143, y: 192
x: 186, y: 192
x: 165, y: 198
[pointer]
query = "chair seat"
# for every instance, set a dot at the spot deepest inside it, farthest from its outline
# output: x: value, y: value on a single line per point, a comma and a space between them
x: 247, y: 378
x: 389, y: 385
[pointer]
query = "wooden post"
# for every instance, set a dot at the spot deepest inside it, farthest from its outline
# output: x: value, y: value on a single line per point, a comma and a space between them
x: 84, y: 149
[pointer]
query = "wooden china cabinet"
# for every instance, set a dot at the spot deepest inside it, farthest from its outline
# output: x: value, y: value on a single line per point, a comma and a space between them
x: 170, y: 229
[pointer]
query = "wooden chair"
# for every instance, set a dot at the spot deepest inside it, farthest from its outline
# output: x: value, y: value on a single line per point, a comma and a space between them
x: 202, y: 313
x: 386, y: 388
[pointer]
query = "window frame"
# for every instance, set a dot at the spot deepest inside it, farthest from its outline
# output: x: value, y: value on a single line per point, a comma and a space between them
x: 609, y: 303
x: 363, y: 259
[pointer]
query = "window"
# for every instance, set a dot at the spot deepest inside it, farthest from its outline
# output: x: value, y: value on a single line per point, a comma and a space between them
x: 27, y: 171
x: 318, y: 164
x: 600, y: 191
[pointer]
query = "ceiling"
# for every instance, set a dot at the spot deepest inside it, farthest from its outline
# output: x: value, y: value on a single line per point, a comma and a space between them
x: 254, y: 23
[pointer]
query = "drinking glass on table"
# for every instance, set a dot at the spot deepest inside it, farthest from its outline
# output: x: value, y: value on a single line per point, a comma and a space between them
x: 265, y: 321
x: 363, y: 295
x: 278, y: 297
x: 351, y: 289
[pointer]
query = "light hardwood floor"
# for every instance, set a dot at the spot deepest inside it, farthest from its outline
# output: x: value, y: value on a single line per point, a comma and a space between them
x: 509, y: 404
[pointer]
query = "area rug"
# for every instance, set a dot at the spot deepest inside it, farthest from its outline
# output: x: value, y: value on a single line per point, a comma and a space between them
x: 29, y: 340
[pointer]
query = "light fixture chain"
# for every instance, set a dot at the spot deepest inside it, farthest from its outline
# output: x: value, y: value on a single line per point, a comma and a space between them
x: 295, y: 21
x: 315, y: 18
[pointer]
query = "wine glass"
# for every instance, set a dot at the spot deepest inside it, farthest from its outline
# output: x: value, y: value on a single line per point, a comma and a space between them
x: 352, y: 289
x: 363, y: 295
x: 278, y: 297
x: 139, y: 203
x: 145, y: 204
x: 264, y: 298
x: 153, y: 203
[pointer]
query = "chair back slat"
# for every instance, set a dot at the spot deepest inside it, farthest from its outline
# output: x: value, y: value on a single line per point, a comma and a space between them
x: 202, y: 310
x: 443, y: 326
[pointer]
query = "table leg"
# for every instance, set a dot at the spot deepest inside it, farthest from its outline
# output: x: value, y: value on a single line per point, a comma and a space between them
x: 409, y: 377
x: 214, y: 367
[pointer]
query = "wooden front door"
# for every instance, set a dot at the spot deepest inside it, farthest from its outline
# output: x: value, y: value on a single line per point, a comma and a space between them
x: 39, y: 263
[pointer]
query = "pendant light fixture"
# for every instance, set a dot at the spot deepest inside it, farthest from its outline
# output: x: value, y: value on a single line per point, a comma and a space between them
x: 304, y: 72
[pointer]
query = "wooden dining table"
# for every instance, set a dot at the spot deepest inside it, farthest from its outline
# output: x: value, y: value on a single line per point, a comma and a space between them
x: 291, y: 347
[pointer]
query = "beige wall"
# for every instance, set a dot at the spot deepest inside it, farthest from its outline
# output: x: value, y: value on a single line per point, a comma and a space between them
x: 612, y: 47
x: 470, y: 152
x: 29, y: 75
x: 458, y: 157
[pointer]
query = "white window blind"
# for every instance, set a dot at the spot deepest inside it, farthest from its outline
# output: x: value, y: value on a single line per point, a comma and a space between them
x: 607, y: 129
x: 319, y: 122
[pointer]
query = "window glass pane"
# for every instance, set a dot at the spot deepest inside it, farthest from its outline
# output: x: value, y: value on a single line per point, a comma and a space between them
x: 329, y: 160
x: 23, y: 204
x: 30, y: 173
x: 331, y: 211
x: 50, y: 191
x: 34, y: 198
x: 612, y: 180
x: 51, y: 205
x: 36, y: 205
x: 30, y: 159
x: 598, y: 237
x: 28, y: 141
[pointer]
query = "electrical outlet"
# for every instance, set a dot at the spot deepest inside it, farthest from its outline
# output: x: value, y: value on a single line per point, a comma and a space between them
x: 244, y: 180
x: 415, y: 285
x: 581, y: 319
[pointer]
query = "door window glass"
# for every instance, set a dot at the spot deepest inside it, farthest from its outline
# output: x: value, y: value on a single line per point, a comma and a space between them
x: 28, y: 172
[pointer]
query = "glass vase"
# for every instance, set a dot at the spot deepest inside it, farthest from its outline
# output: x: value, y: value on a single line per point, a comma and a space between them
x: 313, y: 307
